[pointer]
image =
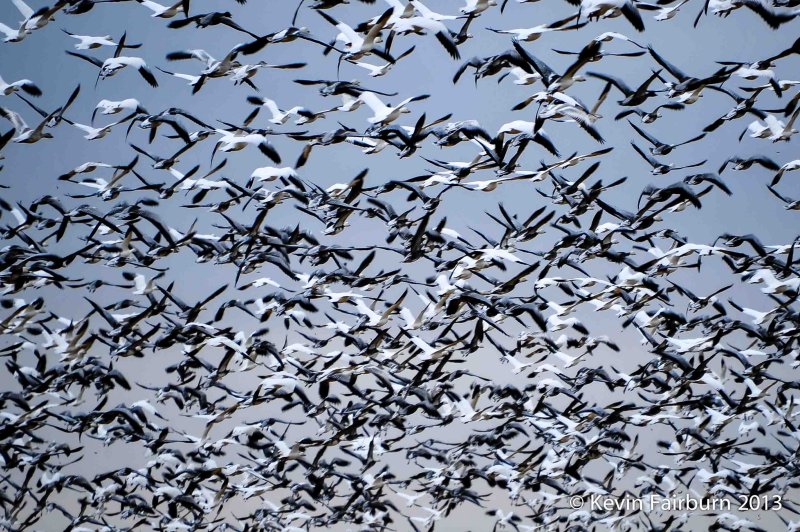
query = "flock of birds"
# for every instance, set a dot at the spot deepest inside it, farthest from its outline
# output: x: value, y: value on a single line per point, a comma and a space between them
x: 334, y: 371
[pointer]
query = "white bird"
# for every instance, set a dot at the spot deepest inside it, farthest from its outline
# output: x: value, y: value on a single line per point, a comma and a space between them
x: 772, y: 285
x: 84, y: 168
x: 202, y: 56
x: 554, y: 323
x: 386, y: 114
x: 142, y: 285
x: 428, y: 351
x: 486, y: 185
x: 232, y: 141
x: 193, y: 81
x: 667, y: 13
x: 684, y: 345
x: 94, y: 133
x: 791, y: 166
x: 522, y: 77
x: 502, y: 254
x: 35, y: 20
x: 772, y: 128
x: 783, y: 85
x: 788, y: 129
x: 245, y: 73
x: 476, y: 7
x: 759, y: 318
x: 608, y: 36
x: 517, y: 127
x: 426, y: 12
x: 25, y: 85
x: 109, y: 107
x: 12, y: 35
x: 423, y: 24
x: 89, y: 42
x: 518, y: 367
x: 753, y: 72
x: 398, y: 11
x: 410, y: 499
x: 597, y: 9
x: 356, y: 45
x: 279, y: 116
x: 375, y: 319
x: 181, y: 6
x: 112, y: 65
x: 531, y: 34
x: 377, y: 71
x: 25, y: 134
x: 191, y: 184
x: 271, y: 173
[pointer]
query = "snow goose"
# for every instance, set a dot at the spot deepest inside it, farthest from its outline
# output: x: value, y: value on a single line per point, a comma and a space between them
x: 26, y: 134
x: 25, y: 85
x: 159, y: 11
x: 12, y: 35
x: 421, y: 24
x: 114, y: 64
x: 357, y: 46
x: 109, y: 107
x: 476, y: 7
x: 788, y: 167
x: 531, y: 34
x: 88, y: 42
x: 38, y: 19
x: 385, y: 114
x: 597, y: 9
x: 426, y: 12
